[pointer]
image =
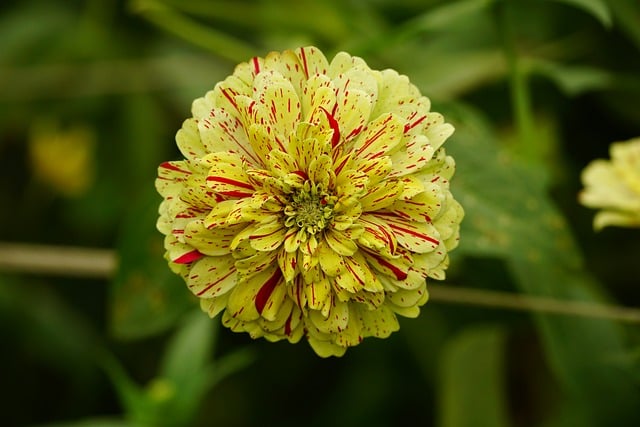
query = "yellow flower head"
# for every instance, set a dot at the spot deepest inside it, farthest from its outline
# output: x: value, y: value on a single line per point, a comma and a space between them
x: 614, y: 186
x: 313, y: 201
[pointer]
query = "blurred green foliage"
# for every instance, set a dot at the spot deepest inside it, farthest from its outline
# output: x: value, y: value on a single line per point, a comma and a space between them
x: 535, y: 88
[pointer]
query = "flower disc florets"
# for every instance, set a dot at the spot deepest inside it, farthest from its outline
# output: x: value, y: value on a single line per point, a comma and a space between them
x: 313, y: 201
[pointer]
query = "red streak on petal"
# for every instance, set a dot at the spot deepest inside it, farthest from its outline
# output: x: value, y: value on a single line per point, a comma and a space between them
x: 415, y: 233
x: 410, y: 126
x: 303, y: 56
x: 260, y: 236
x: 371, y: 140
x: 235, y: 193
x: 267, y: 289
x: 400, y: 275
x: 256, y: 65
x: 189, y: 257
x: 358, y: 278
x: 229, y: 97
x: 229, y: 181
x: 233, y: 270
x: 287, y: 325
x: 301, y: 174
x: 335, y: 139
x: 342, y: 165
x: 167, y: 165
x: 354, y: 132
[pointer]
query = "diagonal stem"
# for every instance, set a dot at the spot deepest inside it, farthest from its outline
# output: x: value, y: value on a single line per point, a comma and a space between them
x: 102, y: 263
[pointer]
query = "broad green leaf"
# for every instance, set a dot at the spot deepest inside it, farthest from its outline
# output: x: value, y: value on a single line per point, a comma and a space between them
x: 146, y: 296
x: 599, y: 9
x: 442, y: 16
x: 575, y: 80
x: 509, y: 215
x: 627, y: 16
x: 191, y: 347
x: 184, y: 375
x: 472, y: 383
x: 210, y: 38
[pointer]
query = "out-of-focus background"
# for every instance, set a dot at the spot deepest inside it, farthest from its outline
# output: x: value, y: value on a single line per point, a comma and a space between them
x: 91, y: 95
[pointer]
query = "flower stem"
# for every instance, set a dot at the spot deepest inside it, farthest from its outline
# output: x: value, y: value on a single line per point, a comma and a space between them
x: 90, y: 262
x: 504, y: 300
x: 518, y: 80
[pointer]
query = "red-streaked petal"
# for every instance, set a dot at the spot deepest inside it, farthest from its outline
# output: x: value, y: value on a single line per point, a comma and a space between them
x: 188, y: 257
x: 212, y: 276
x: 417, y: 237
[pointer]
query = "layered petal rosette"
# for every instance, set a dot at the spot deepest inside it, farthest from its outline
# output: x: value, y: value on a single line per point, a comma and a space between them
x: 613, y: 186
x: 313, y: 200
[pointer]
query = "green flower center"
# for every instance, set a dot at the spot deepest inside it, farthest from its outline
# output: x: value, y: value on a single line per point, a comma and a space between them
x: 310, y: 208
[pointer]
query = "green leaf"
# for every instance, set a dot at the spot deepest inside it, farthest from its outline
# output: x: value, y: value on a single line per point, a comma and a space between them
x: 599, y: 9
x: 190, y: 349
x: 627, y: 16
x: 441, y: 17
x: 146, y: 296
x: 509, y: 215
x: 188, y: 372
x: 217, y: 42
x: 472, y: 389
x: 575, y: 80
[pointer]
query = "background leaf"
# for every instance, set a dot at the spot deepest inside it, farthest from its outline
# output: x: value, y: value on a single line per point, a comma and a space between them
x: 147, y: 298
x: 509, y: 215
x: 473, y: 360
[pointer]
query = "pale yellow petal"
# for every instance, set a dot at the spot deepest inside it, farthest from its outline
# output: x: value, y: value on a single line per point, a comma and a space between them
x: 380, y: 137
x: 340, y: 243
x: 227, y: 175
x: 268, y: 237
x: 378, y: 323
x: 249, y: 297
x: 381, y: 195
x: 212, y: 276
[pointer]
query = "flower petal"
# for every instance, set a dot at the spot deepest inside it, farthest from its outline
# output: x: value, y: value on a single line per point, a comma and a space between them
x: 340, y: 242
x: 249, y: 297
x: 281, y: 105
x: 381, y: 195
x: 417, y: 237
x: 313, y: 61
x: 268, y: 237
x: 212, y: 276
x: 378, y: 323
x: 334, y: 321
x: 380, y: 137
x: 288, y: 261
x: 213, y: 306
x: 214, y: 242
x: 227, y: 175
x: 220, y: 131
x: 318, y: 292
x: 325, y: 348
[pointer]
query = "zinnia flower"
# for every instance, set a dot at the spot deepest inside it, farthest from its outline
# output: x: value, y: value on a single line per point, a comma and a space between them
x: 313, y: 201
x: 614, y: 186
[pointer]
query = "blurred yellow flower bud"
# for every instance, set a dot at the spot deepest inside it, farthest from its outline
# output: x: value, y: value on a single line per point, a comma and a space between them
x: 63, y: 159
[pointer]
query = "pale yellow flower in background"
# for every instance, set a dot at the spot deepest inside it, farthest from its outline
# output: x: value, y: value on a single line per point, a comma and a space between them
x: 313, y: 201
x: 63, y: 159
x: 613, y: 186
